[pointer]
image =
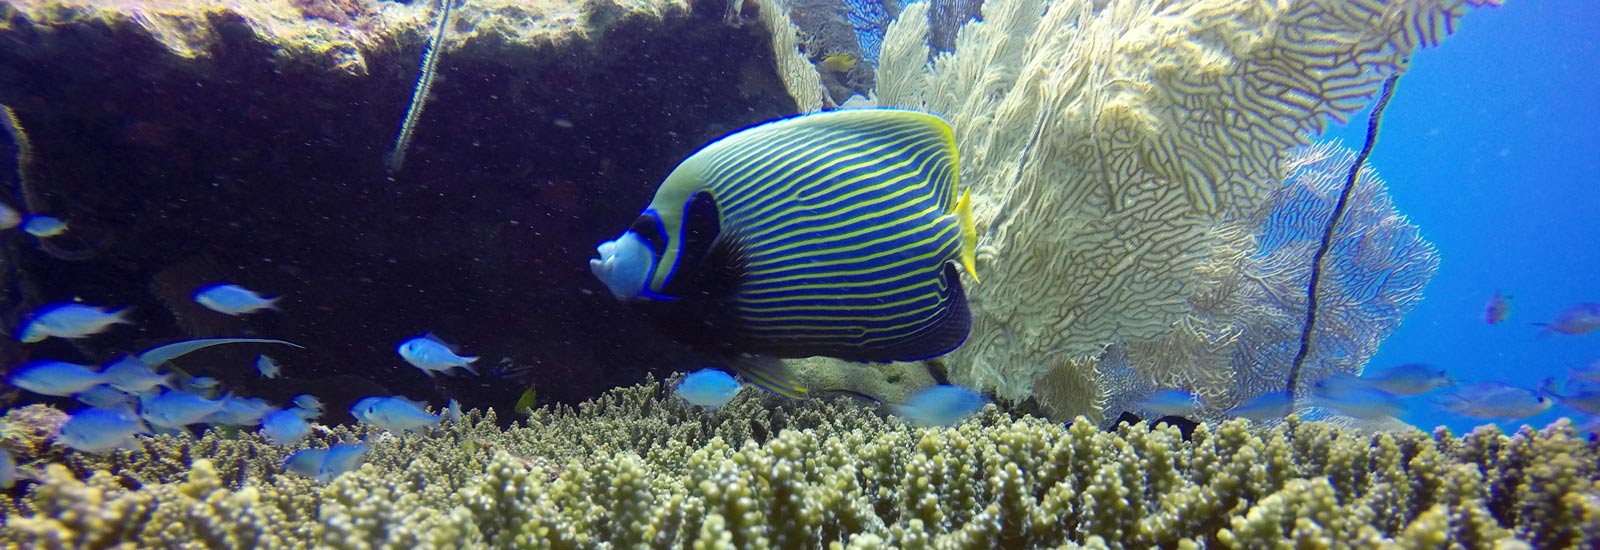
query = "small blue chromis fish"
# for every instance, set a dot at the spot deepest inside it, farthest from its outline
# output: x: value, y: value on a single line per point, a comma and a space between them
x: 1580, y: 394
x: 324, y: 465
x: 240, y: 411
x: 395, y: 414
x: 177, y: 409
x: 1495, y: 400
x: 1579, y: 319
x: 131, y: 375
x: 268, y: 367
x: 204, y: 382
x: 56, y: 378
x: 107, y: 397
x: 429, y: 353
x: 834, y: 234
x: 310, y: 403
x: 307, y: 462
x: 1356, y: 398
x: 1264, y: 407
x: 941, y: 405
x: 341, y: 459
x: 43, y: 226
x: 1409, y: 379
x: 233, y: 299
x: 1169, y: 402
x: 70, y: 320
x: 284, y: 428
x: 98, y: 430
x: 709, y: 388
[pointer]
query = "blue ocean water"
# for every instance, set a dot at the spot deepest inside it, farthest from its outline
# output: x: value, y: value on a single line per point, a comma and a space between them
x: 1492, y: 146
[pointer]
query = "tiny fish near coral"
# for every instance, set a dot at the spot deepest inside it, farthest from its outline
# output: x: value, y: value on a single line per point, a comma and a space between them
x: 709, y: 388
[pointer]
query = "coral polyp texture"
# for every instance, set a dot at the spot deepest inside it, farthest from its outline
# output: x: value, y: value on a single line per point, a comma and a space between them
x: 1110, y: 144
x: 634, y: 469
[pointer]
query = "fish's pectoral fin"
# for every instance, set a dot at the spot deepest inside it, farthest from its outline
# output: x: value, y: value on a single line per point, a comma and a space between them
x: 969, y: 235
x: 769, y: 373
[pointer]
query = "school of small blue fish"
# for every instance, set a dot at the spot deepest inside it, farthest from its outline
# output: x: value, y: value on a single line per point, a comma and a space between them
x: 697, y: 240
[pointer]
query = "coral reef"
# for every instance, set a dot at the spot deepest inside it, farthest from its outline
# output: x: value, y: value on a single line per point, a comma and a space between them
x: 1107, y: 142
x: 636, y: 470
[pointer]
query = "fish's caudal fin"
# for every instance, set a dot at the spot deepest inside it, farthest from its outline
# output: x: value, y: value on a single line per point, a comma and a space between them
x: 467, y: 364
x: 969, y: 235
x: 771, y: 374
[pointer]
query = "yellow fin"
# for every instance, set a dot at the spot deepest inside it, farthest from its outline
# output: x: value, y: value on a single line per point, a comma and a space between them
x: 969, y: 235
x: 839, y: 62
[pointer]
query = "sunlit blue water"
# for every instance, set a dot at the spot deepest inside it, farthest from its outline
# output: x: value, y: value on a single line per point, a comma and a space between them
x: 1492, y: 146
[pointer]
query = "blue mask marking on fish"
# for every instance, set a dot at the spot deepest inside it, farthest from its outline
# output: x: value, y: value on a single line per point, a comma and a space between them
x: 98, y: 431
x: 833, y: 234
x: 56, y: 378
x: 284, y: 428
x: 941, y: 405
x: 624, y: 265
x: 233, y: 299
x: 709, y: 388
x: 429, y: 353
x: 70, y: 320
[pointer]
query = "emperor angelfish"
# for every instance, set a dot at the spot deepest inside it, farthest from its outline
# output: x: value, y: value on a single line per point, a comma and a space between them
x: 832, y: 234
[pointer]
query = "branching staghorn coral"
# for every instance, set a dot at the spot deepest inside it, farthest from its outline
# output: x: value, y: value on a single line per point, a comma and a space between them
x: 637, y: 469
x: 1106, y: 141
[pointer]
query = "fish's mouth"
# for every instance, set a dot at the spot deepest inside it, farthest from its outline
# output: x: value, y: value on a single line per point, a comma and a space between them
x: 624, y: 265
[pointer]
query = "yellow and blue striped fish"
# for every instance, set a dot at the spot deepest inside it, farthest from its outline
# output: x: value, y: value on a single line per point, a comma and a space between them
x: 832, y: 234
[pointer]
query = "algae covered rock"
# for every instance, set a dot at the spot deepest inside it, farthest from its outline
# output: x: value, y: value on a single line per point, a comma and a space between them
x: 635, y: 469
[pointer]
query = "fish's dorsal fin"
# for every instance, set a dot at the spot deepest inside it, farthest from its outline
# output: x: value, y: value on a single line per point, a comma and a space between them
x: 437, y: 340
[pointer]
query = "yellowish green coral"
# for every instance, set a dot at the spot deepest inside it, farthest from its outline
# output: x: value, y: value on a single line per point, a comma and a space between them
x: 638, y: 469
